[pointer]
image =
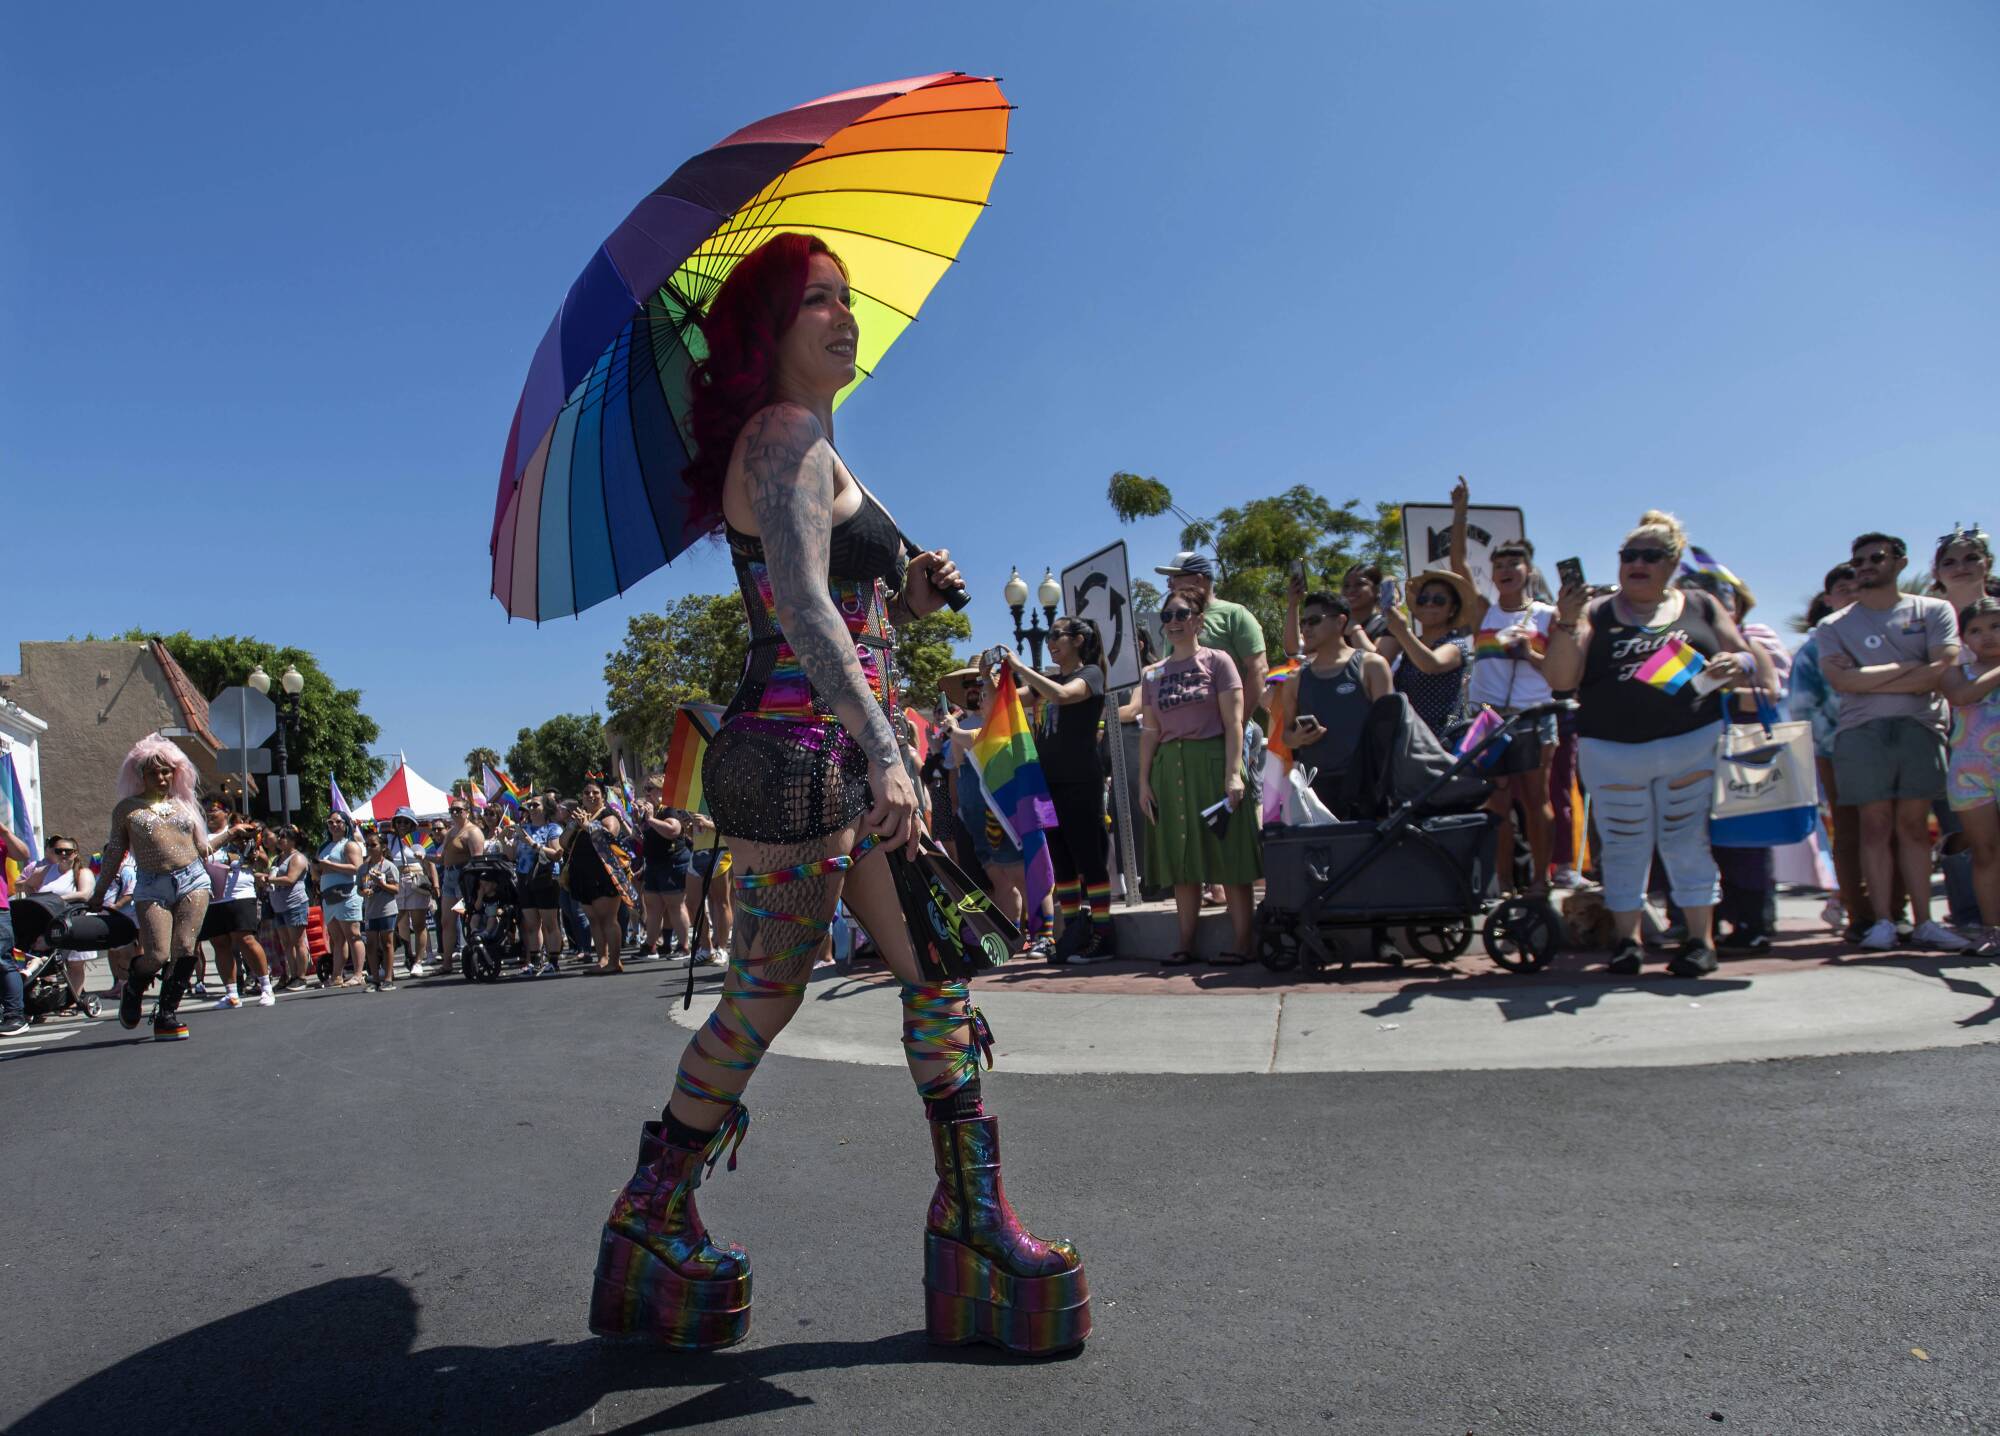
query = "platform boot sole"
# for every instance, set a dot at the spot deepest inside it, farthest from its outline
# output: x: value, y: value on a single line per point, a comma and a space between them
x: 968, y: 1298
x: 638, y: 1296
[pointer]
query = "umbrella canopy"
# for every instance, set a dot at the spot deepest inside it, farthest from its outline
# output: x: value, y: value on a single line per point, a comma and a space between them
x: 405, y: 789
x: 892, y: 177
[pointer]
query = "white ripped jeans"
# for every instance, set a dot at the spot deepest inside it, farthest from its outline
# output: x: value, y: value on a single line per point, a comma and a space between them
x: 1638, y: 811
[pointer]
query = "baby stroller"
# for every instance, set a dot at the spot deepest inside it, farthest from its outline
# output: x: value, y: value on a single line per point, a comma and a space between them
x: 492, y: 918
x: 44, y: 926
x: 1417, y: 855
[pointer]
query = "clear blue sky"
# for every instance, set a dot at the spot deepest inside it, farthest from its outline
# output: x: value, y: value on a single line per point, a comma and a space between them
x: 270, y: 279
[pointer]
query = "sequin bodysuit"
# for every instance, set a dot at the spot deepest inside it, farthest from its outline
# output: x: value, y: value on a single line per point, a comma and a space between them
x: 163, y: 836
x: 783, y: 769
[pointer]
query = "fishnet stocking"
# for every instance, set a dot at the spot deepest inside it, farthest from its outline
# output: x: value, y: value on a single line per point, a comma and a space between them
x: 170, y: 932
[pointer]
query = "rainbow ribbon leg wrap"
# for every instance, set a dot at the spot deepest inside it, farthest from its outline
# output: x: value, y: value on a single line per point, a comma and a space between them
x: 660, y: 1278
x: 986, y: 1277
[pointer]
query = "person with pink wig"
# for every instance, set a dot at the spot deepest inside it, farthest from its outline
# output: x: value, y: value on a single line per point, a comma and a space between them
x: 158, y: 821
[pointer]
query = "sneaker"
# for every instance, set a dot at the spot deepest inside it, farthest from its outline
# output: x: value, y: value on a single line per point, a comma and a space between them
x: 1077, y: 935
x: 386, y: 987
x: 1737, y: 940
x: 1097, y: 948
x: 1988, y: 944
x: 13, y: 1024
x: 1934, y: 938
x: 718, y: 956
x: 1042, y: 949
x: 651, y: 949
x: 1834, y: 915
x: 1566, y: 878
x: 200, y: 989
x: 266, y: 997
x: 1695, y: 960
x: 701, y: 955
x: 229, y: 998
x: 169, y: 1028
x: 1881, y: 937
x: 1627, y: 960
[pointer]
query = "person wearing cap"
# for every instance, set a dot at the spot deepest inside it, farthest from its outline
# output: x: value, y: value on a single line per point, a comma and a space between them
x: 1429, y: 660
x: 416, y: 883
x: 1228, y: 626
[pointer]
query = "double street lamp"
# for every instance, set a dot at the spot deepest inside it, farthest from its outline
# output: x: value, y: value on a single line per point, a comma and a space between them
x: 1049, y: 594
x: 291, y: 683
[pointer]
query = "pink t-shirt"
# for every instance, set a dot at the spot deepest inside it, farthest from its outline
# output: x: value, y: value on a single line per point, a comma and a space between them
x: 1185, y: 694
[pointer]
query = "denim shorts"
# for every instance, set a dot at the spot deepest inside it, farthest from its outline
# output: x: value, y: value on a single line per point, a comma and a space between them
x: 291, y: 918
x: 385, y: 923
x: 341, y: 905
x: 169, y: 888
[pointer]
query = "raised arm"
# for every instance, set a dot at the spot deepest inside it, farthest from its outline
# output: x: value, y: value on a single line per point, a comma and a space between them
x: 788, y: 478
x: 1461, y: 499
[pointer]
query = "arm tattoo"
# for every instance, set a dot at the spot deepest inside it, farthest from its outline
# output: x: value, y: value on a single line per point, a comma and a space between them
x: 788, y: 475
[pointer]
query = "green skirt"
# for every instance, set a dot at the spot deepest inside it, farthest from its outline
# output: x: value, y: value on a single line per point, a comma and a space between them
x: 1187, y: 777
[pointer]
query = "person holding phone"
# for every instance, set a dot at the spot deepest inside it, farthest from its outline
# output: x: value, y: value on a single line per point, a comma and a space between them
x: 1646, y: 750
x: 1190, y: 754
x: 1430, y: 652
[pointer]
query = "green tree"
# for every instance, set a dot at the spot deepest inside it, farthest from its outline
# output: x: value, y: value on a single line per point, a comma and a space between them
x: 559, y: 753
x: 924, y: 655
x: 477, y: 760
x: 692, y: 653
x: 1256, y: 543
x: 332, y: 736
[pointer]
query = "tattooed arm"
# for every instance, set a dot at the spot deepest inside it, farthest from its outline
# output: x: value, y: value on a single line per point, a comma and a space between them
x: 788, y: 477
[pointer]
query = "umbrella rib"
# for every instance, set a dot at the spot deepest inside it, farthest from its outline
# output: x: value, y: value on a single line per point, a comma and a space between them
x: 897, y: 193
x: 817, y: 157
x: 926, y: 114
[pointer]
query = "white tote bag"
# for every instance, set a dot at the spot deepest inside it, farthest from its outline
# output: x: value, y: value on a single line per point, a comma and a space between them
x: 1766, y: 784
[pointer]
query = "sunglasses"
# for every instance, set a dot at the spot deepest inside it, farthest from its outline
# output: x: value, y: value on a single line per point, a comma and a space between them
x: 1871, y: 558
x: 1643, y: 555
x: 1313, y: 619
x: 1176, y: 615
x: 64, y: 852
x: 1432, y: 599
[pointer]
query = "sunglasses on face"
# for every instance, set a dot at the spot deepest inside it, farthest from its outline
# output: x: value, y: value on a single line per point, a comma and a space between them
x: 64, y: 852
x: 1870, y: 558
x: 1313, y: 619
x: 1176, y: 615
x: 1642, y: 555
x: 1433, y: 600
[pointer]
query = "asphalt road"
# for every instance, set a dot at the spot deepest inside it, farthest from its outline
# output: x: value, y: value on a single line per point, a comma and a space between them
x: 378, y: 1213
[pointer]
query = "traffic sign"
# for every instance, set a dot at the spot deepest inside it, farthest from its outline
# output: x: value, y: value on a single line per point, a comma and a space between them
x: 244, y: 760
x: 238, y: 708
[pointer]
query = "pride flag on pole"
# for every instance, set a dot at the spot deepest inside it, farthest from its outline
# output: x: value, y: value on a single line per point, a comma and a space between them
x: 20, y: 822
x: 1700, y: 560
x: 694, y: 725
x: 1011, y: 772
x: 1671, y: 667
x: 339, y: 798
x: 499, y: 786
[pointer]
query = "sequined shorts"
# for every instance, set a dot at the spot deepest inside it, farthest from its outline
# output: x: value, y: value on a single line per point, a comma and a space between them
x: 784, y: 780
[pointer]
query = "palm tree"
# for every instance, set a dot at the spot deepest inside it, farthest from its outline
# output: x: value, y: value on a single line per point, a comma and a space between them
x: 477, y: 760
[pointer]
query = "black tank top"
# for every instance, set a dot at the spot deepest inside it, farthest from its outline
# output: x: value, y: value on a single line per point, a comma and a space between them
x: 1625, y: 709
x: 659, y: 847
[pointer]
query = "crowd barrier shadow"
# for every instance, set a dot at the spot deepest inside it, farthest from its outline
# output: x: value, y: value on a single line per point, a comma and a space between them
x: 1520, y: 1002
x: 339, y: 1357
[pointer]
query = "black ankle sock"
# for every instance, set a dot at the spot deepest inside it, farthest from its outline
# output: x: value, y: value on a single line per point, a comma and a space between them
x: 961, y: 1106
x: 680, y: 1134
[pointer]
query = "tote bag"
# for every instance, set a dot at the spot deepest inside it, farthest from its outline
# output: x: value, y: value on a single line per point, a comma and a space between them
x: 1766, y: 785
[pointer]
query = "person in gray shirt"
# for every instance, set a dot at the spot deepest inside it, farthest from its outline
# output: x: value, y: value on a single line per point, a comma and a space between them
x: 1886, y: 654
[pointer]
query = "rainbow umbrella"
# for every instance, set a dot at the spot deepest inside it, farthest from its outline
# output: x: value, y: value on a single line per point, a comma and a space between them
x: 891, y: 177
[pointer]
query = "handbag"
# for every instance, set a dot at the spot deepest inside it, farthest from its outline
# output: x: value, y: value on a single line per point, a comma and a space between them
x: 1766, y: 783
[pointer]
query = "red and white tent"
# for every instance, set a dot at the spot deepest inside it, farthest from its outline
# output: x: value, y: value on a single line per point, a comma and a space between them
x: 406, y: 788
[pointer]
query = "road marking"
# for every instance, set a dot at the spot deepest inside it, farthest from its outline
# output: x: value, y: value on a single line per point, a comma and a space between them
x: 22, y: 1046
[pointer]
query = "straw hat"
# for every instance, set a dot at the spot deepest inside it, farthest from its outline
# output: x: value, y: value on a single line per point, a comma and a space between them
x: 953, y: 684
x: 1458, y: 583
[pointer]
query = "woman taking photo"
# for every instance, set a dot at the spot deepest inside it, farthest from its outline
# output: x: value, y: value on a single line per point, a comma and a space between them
x: 1079, y: 848
x: 1646, y: 749
x: 1191, y: 758
x: 807, y: 786
x: 595, y: 873
x: 336, y: 869
x: 1431, y: 661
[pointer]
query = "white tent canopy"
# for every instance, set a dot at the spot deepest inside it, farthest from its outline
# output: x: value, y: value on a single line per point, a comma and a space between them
x: 406, y: 788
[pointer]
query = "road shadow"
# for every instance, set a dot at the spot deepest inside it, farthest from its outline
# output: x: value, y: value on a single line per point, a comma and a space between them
x: 1935, y: 967
x: 1518, y: 1002
x: 341, y: 1356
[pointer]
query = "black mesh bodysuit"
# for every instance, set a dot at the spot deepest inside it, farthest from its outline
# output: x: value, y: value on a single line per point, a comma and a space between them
x: 783, y: 769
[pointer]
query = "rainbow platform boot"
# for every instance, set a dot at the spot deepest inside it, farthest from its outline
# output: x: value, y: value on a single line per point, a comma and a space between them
x: 986, y: 1278
x: 659, y: 1277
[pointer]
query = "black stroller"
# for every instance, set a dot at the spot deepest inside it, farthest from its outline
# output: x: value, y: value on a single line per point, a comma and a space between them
x: 492, y: 918
x: 44, y: 926
x: 1419, y: 857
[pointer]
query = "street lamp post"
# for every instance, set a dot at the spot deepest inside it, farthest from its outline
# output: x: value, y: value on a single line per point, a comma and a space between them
x: 290, y: 684
x: 1048, y: 594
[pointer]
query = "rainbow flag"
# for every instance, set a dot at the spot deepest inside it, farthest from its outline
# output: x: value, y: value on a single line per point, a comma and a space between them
x: 1011, y: 772
x: 20, y: 822
x: 498, y: 785
x: 694, y: 725
x: 1284, y: 673
x: 1671, y: 667
x: 1700, y: 560
x: 1488, y: 644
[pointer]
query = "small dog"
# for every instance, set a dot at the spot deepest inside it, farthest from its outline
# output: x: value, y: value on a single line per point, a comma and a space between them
x: 1588, y: 919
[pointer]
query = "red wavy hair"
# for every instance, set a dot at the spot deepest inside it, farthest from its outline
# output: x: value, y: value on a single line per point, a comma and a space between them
x: 749, y: 315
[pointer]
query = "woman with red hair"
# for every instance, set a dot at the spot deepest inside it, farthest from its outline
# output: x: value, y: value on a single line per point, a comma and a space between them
x: 810, y: 792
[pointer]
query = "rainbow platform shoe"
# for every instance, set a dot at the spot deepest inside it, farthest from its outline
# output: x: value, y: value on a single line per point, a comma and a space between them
x: 986, y: 1278
x: 660, y: 1278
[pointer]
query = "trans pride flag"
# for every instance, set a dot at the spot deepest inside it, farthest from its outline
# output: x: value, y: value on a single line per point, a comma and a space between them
x: 20, y: 822
x: 1011, y: 772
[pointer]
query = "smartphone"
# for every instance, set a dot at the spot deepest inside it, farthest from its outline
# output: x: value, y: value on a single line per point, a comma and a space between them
x: 1391, y: 594
x: 1298, y: 568
x: 1570, y: 571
